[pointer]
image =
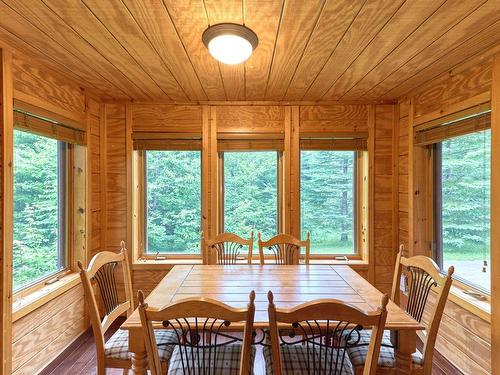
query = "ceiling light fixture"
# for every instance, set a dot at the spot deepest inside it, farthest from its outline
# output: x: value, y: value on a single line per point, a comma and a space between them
x: 230, y: 43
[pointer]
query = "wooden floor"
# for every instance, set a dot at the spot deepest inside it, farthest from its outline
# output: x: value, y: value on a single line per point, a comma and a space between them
x: 79, y: 359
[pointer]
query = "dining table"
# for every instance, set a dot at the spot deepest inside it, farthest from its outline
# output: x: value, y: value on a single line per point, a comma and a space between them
x: 291, y: 286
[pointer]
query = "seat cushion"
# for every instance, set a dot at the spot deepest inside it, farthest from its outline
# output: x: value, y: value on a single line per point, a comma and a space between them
x: 358, y: 354
x: 295, y: 361
x: 117, y: 346
x: 224, y: 361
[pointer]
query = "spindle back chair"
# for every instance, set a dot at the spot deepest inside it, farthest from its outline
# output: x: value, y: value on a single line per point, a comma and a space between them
x: 227, y: 248
x: 421, y: 277
x: 206, y: 343
x: 100, y: 283
x: 284, y: 249
x: 313, y: 337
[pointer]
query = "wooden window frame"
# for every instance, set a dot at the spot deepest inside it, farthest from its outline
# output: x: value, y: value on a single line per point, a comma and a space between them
x: 66, y: 243
x: 436, y: 221
x: 142, y: 211
x: 360, y: 219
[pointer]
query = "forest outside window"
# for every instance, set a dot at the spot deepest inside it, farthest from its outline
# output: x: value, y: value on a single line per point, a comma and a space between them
x: 462, y: 206
x: 328, y: 200
x: 39, y: 247
x: 250, y: 191
x: 172, y: 202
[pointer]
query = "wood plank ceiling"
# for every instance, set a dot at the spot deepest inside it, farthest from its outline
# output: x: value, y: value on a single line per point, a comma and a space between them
x: 314, y: 50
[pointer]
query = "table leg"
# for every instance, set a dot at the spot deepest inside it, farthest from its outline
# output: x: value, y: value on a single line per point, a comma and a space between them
x: 137, y: 348
x: 139, y: 363
x: 407, y: 345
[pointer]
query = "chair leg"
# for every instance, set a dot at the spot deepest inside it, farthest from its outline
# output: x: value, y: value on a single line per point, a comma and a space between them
x: 125, y: 371
x: 101, y: 369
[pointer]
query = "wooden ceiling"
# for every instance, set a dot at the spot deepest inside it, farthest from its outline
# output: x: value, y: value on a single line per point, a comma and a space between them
x: 309, y: 50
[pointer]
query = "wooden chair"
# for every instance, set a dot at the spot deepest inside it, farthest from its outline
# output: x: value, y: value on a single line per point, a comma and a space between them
x: 205, y: 344
x: 226, y: 248
x: 312, y: 338
x: 99, y: 284
x: 284, y: 249
x: 422, y: 277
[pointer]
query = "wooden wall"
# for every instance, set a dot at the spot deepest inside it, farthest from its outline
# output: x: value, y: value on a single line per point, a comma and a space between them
x: 382, y: 228
x: 115, y: 177
x: 465, y: 333
x: 44, y: 333
x: 96, y: 159
x: 210, y: 120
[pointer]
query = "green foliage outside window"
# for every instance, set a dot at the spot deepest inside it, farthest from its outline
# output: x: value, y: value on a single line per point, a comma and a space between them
x: 465, y: 179
x: 173, y: 201
x: 36, y: 227
x: 251, y: 193
x: 327, y: 200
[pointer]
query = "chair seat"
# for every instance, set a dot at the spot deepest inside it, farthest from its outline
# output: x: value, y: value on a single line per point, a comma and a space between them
x: 224, y: 361
x: 358, y: 354
x: 117, y: 346
x: 295, y: 361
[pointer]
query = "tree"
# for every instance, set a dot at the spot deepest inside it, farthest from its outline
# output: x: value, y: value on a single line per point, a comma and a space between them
x: 36, y: 218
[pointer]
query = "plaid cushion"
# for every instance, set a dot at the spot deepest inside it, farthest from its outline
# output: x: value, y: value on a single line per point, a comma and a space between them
x: 295, y: 361
x: 224, y: 361
x: 117, y: 346
x: 358, y: 354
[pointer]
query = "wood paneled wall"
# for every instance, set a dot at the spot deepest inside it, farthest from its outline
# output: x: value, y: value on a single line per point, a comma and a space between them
x: 42, y: 335
x: 45, y: 332
x: 382, y: 261
x: 289, y: 121
x: 464, y: 337
x: 96, y: 159
x: 115, y: 177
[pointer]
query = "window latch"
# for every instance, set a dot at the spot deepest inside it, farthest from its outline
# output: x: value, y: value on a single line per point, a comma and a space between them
x: 476, y: 295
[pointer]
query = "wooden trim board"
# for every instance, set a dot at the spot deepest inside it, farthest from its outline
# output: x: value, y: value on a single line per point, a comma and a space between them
x: 6, y: 192
x: 495, y: 219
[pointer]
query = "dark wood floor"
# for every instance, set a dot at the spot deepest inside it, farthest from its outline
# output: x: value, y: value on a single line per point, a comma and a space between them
x: 79, y: 359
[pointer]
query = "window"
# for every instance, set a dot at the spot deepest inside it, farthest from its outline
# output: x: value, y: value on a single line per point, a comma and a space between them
x: 327, y: 200
x: 462, y: 206
x: 250, y: 192
x: 172, y: 201
x: 39, y: 249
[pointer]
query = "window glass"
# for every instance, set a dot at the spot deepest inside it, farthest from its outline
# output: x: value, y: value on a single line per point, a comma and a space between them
x: 327, y: 184
x: 251, y: 193
x: 465, y: 207
x: 173, y: 201
x: 39, y: 190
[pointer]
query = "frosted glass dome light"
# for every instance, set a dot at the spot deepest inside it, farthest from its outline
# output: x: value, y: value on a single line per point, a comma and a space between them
x: 230, y: 43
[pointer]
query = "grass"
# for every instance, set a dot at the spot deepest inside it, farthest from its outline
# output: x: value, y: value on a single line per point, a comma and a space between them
x: 332, y: 247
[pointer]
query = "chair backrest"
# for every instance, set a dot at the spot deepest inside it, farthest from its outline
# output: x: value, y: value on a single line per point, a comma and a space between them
x: 326, y: 328
x: 99, y: 281
x: 422, y: 277
x: 284, y: 249
x: 203, y: 329
x: 227, y: 248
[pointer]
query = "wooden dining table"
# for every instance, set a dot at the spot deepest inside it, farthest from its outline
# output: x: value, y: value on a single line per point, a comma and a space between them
x: 291, y: 285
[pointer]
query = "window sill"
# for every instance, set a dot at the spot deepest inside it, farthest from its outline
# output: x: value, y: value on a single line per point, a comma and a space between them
x: 480, y: 308
x: 163, y: 264
x: 166, y: 264
x: 356, y: 263
x: 25, y: 305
